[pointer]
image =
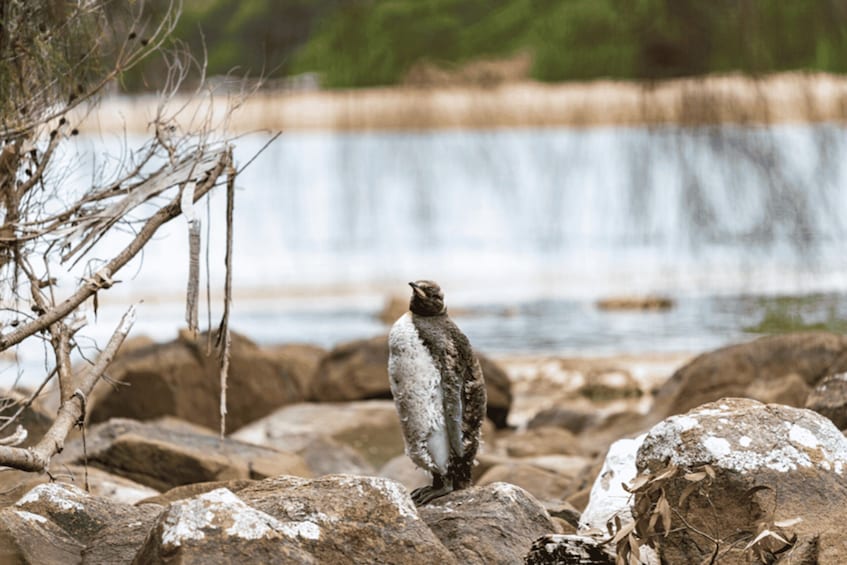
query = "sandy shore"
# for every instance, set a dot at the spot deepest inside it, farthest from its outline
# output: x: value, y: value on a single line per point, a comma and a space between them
x: 781, y: 98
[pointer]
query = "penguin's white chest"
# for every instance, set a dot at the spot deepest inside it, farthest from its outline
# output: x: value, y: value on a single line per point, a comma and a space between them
x: 416, y: 387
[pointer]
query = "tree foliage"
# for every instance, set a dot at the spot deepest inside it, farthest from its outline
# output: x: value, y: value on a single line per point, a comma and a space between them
x: 375, y: 42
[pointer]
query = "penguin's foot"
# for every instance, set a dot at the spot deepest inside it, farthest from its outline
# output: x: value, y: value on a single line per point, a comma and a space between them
x: 425, y: 495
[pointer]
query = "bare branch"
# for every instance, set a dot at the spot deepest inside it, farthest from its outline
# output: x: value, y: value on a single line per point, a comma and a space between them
x: 224, y: 337
x: 37, y: 458
x: 24, y: 405
x: 103, y: 277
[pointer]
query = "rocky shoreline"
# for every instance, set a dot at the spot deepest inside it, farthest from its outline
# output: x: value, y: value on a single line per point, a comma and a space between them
x: 734, y: 453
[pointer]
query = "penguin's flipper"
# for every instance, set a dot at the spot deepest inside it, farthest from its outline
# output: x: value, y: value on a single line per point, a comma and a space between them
x: 451, y: 385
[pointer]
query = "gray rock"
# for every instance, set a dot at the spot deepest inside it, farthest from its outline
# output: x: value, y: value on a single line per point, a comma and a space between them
x: 829, y: 398
x: 492, y: 524
x: 179, y: 379
x: 555, y: 549
x: 30, y: 538
x: 402, y: 470
x: 166, y: 454
x: 79, y: 514
x: 572, y: 419
x: 780, y: 368
x: 543, y: 483
x: 354, y: 519
x: 370, y: 427
x: 546, y: 440
x: 58, y: 523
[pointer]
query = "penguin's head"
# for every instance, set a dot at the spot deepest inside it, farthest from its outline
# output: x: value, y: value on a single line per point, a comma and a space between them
x: 427, y: 299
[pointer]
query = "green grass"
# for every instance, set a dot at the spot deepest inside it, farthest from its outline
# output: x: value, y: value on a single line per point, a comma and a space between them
x: 812, y: 312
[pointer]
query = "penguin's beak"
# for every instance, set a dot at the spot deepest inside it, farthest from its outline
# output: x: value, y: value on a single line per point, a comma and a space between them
x: 418, y: 290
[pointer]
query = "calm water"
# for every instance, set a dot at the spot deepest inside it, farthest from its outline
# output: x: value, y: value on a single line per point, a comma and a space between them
x: 525, y: 228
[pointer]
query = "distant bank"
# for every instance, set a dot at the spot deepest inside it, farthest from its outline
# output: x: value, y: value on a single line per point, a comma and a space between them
x: 782, y: 98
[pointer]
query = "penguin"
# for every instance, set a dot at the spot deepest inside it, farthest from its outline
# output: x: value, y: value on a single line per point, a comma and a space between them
x: 438, y: 390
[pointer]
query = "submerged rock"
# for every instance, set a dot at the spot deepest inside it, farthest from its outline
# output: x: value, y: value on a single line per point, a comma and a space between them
x: 647, y: 302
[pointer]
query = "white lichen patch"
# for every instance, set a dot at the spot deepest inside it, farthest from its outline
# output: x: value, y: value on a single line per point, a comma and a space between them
x: 220, y: 509
x: 719, y: 447
x: 300, y: 512
x: 62, y: 496
x: 30, y: 517
x: 396, y: 496
x: 306, y: 530
x: 685, y: 423
x: 505, y: 490
x: 803, y: 436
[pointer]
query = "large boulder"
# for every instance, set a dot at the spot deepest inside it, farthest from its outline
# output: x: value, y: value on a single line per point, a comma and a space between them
x: 179, y: 379
x: 165, y: 454
x: 301, y: 360
x: 57, y: 523
x: 780, y: 369
x: 351, y: 519
x: 80, y: 514
x: 370, y: 427
x: 358, y: 370
x: 220, y: 524
x: 496, y: 523
x: 29, y: 538
x: 740, y: 478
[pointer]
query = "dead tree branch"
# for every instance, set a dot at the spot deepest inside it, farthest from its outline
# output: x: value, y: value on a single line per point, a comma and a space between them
x: 37, y: 458
x: 103, y: 277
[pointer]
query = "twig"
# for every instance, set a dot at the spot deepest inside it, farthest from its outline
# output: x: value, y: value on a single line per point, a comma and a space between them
x: 224, y: 338
x: 37, y: 458
x: 29, y: 401
x: 192, y: 291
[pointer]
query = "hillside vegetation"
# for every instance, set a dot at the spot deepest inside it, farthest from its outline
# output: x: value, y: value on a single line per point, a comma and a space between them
x: 358, y: 43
